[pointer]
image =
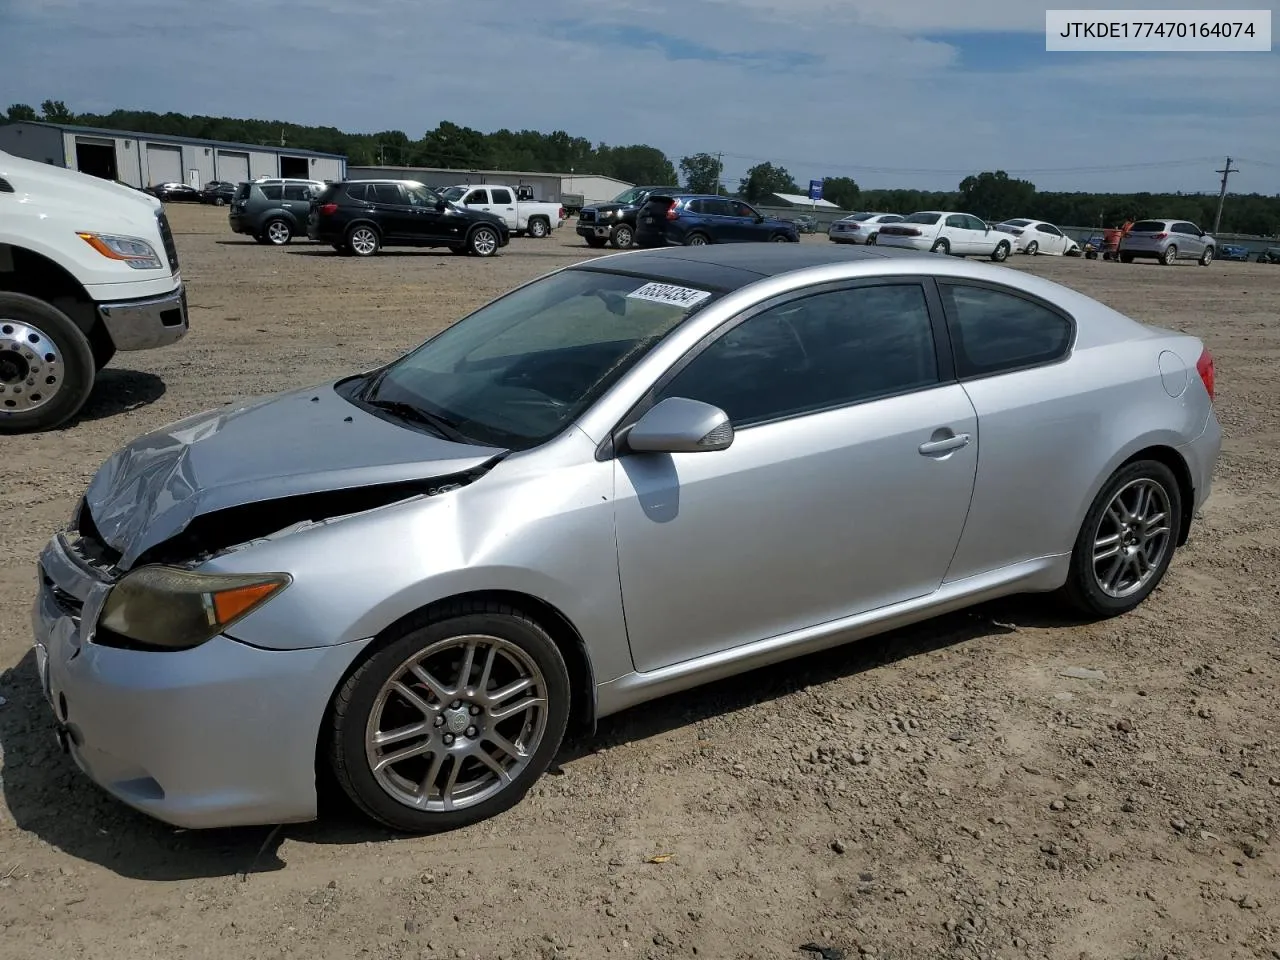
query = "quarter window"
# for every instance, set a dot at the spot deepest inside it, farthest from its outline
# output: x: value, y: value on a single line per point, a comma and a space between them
x: 992, y: 331
x: 825, y: 350
x: 387, y: 193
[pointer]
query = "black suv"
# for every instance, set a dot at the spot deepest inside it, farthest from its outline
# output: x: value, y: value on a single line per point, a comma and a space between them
x: 695, y: 219
x: 273, y: 211
x: 614, y: 222
x: 360, y: 217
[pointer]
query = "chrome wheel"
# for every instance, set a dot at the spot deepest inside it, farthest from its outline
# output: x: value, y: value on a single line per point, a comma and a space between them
x: 1032, y: 248
x: 278, y: 232
x: 697, y: 240
x: 363, y: 241
x: 622, y: 237
x: 31, y: 372
x: 538, y: 229
x: 484, y: 242
x: 1132, y: 538
x: 1170, y: 255
x: 1206, y: 258
x: 456, y: 723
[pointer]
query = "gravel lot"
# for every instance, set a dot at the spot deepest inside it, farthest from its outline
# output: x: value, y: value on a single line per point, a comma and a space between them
x: 945, y: 791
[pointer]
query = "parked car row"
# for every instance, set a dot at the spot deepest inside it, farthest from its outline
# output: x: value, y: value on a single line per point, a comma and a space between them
x: 657, y: 216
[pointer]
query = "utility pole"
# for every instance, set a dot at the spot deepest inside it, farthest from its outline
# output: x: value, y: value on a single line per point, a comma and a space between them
x: 1222, y: 196
x: 719, y: 171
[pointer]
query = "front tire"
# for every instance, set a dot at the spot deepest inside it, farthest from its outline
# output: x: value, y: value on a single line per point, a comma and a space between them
x: 1206, y: 258
x: 277, y: 232
x: 1001, y: 252
x: 451, y: 723
x: 622, y: 237
x: 596, y: 243
x: 1127, y: 541
x: 538, y: 228
x: 47, y: 367
x: 483, y: 242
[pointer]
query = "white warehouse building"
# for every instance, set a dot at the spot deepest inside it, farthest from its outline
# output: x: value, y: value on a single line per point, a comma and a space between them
x: 145, y: 159
x: 593, y: 188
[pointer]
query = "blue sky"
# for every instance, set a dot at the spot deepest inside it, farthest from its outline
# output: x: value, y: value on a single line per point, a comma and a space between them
x: 895, y: 93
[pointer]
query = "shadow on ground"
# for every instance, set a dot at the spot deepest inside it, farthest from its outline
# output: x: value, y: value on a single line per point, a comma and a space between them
x: 119, y: 391
x: 50, y: 798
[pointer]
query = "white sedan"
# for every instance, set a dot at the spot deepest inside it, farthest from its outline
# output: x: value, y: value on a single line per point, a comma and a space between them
x: 860, y: 227
x: 1034, y: 237
x: 957, y: 234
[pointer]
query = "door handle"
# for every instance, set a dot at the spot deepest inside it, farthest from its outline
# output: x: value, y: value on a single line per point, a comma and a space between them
x: 944, y: 446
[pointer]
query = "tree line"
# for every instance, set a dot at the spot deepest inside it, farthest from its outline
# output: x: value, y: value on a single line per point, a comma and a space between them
x: 992, y: 195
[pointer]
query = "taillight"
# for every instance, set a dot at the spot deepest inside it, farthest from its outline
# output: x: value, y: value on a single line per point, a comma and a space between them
x: 1159, y: 236
x: 1204, y: 367
x: 328, y: 209
x: 562, y: 213
x: 673, y: 212
x: 908, y: 231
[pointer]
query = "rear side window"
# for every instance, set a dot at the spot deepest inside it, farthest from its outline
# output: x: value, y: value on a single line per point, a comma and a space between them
x: 242, y: 191
x: 500, y: 196
x: 922, y: 218
x: 995, y: 332
x: 1148, y: 226
x: 272, y: 191
x: 822, y: 351
x: 1186, y: 229
x: 297, y: 191
x: 385, y: 193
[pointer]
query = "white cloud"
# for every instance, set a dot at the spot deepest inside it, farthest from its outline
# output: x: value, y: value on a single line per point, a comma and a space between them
x: 891, y: 83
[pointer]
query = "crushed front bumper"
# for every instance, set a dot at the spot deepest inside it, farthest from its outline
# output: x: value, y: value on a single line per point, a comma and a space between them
x: 221, y: 735
x: 147, y: 323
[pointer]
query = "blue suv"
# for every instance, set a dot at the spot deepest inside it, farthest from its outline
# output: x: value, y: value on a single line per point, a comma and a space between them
x: 694, y: 219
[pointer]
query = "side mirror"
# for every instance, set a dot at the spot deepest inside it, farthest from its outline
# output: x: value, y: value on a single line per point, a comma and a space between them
x: 441, y: 206
x: 680, y: 425
x: 759, y: 218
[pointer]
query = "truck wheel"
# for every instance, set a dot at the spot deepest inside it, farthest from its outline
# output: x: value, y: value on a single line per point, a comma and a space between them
x: 538, y: 228
x: 622, y: 236
x: 46, y: 365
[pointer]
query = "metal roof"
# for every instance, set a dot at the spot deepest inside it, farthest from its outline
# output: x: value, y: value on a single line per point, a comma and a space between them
x: 173, y: 138
x: 469, y: 172
x: 802, y: 201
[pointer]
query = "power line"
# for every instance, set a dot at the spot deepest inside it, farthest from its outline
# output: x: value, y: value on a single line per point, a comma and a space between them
x: 1222, y: 196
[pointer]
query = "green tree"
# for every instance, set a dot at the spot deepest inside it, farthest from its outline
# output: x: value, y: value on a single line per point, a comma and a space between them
x: 55, y: 111
x: 20, y: 111
x: 702, y: 173
x: 637, y: 164
x: 844, y: 192
x: 764, y: 179
x: 994, y: 196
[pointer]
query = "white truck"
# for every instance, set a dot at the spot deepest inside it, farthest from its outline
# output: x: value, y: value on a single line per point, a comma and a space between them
x: 516, y: 205
x: 87, y: 267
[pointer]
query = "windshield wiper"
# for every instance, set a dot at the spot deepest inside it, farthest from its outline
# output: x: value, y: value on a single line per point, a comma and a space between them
x: 407, y: 411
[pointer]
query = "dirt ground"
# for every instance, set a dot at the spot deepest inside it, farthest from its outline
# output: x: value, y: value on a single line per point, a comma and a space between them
x: 944, y: 791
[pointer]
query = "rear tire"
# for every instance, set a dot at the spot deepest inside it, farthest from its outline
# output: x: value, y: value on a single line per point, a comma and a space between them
x: 942, y: 246
x: 1126, y: 258
x: 277, y: 232
x: 24, y: 372
x: 871, y: 240
x: 1146, y: 536
x: 1170, y: 256
x: 1033, y: 248
x: 538, y: 228
x: 370, y: 701
x: 363, y: 240
x: 697, y: 240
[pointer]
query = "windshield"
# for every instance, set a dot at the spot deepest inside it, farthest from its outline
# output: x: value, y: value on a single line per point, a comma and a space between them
x: 923, y: 218
x: 518, y: 371
x: 634, y: 195
x: 454, y: 194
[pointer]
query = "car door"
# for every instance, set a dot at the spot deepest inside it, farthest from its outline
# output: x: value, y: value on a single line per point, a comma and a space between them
x: 297, y: 202
x: 429, y: 223
x: 1188, y: 238
x: 845, y: 488
x: 391, y: 212
x: 747, y: 222
x: 1013, y: 356
x: 982, y: 239
x: 503, y: 204
x: 958, y: 235
x: 1051, y: 239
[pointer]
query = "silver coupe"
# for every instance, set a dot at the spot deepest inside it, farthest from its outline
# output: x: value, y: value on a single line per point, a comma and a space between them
x: 626, y: 478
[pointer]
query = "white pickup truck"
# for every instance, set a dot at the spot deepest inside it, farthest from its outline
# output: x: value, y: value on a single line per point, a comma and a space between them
x: 516, y: 205
x: 87, y: 267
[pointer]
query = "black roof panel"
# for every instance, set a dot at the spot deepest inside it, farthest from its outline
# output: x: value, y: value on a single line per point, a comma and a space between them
x: 733, y: 265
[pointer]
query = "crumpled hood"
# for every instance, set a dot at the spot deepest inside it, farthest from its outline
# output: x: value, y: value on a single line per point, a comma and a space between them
x: 301, y: 442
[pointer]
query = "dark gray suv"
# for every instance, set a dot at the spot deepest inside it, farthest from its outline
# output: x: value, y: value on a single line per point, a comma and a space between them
x: 275, y: 210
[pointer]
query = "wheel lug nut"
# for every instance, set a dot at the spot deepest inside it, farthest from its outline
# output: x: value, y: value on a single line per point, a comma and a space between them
x: 475, y: 711
x: 471, y: 731
x: 448, y: 738
x: 456, y: 704
x: 439, y: 721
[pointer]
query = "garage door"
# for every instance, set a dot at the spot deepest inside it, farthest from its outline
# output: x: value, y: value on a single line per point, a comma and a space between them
x: 164, y: 164
x: 233, y: 167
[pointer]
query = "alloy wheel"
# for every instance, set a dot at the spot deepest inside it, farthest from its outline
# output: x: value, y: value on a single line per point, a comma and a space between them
x: 1132, y: 538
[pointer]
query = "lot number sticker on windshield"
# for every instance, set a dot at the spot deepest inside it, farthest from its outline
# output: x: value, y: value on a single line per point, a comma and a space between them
x: 669, y: 293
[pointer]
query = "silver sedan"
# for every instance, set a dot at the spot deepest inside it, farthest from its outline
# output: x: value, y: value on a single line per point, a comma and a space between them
x: 621, y: 480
